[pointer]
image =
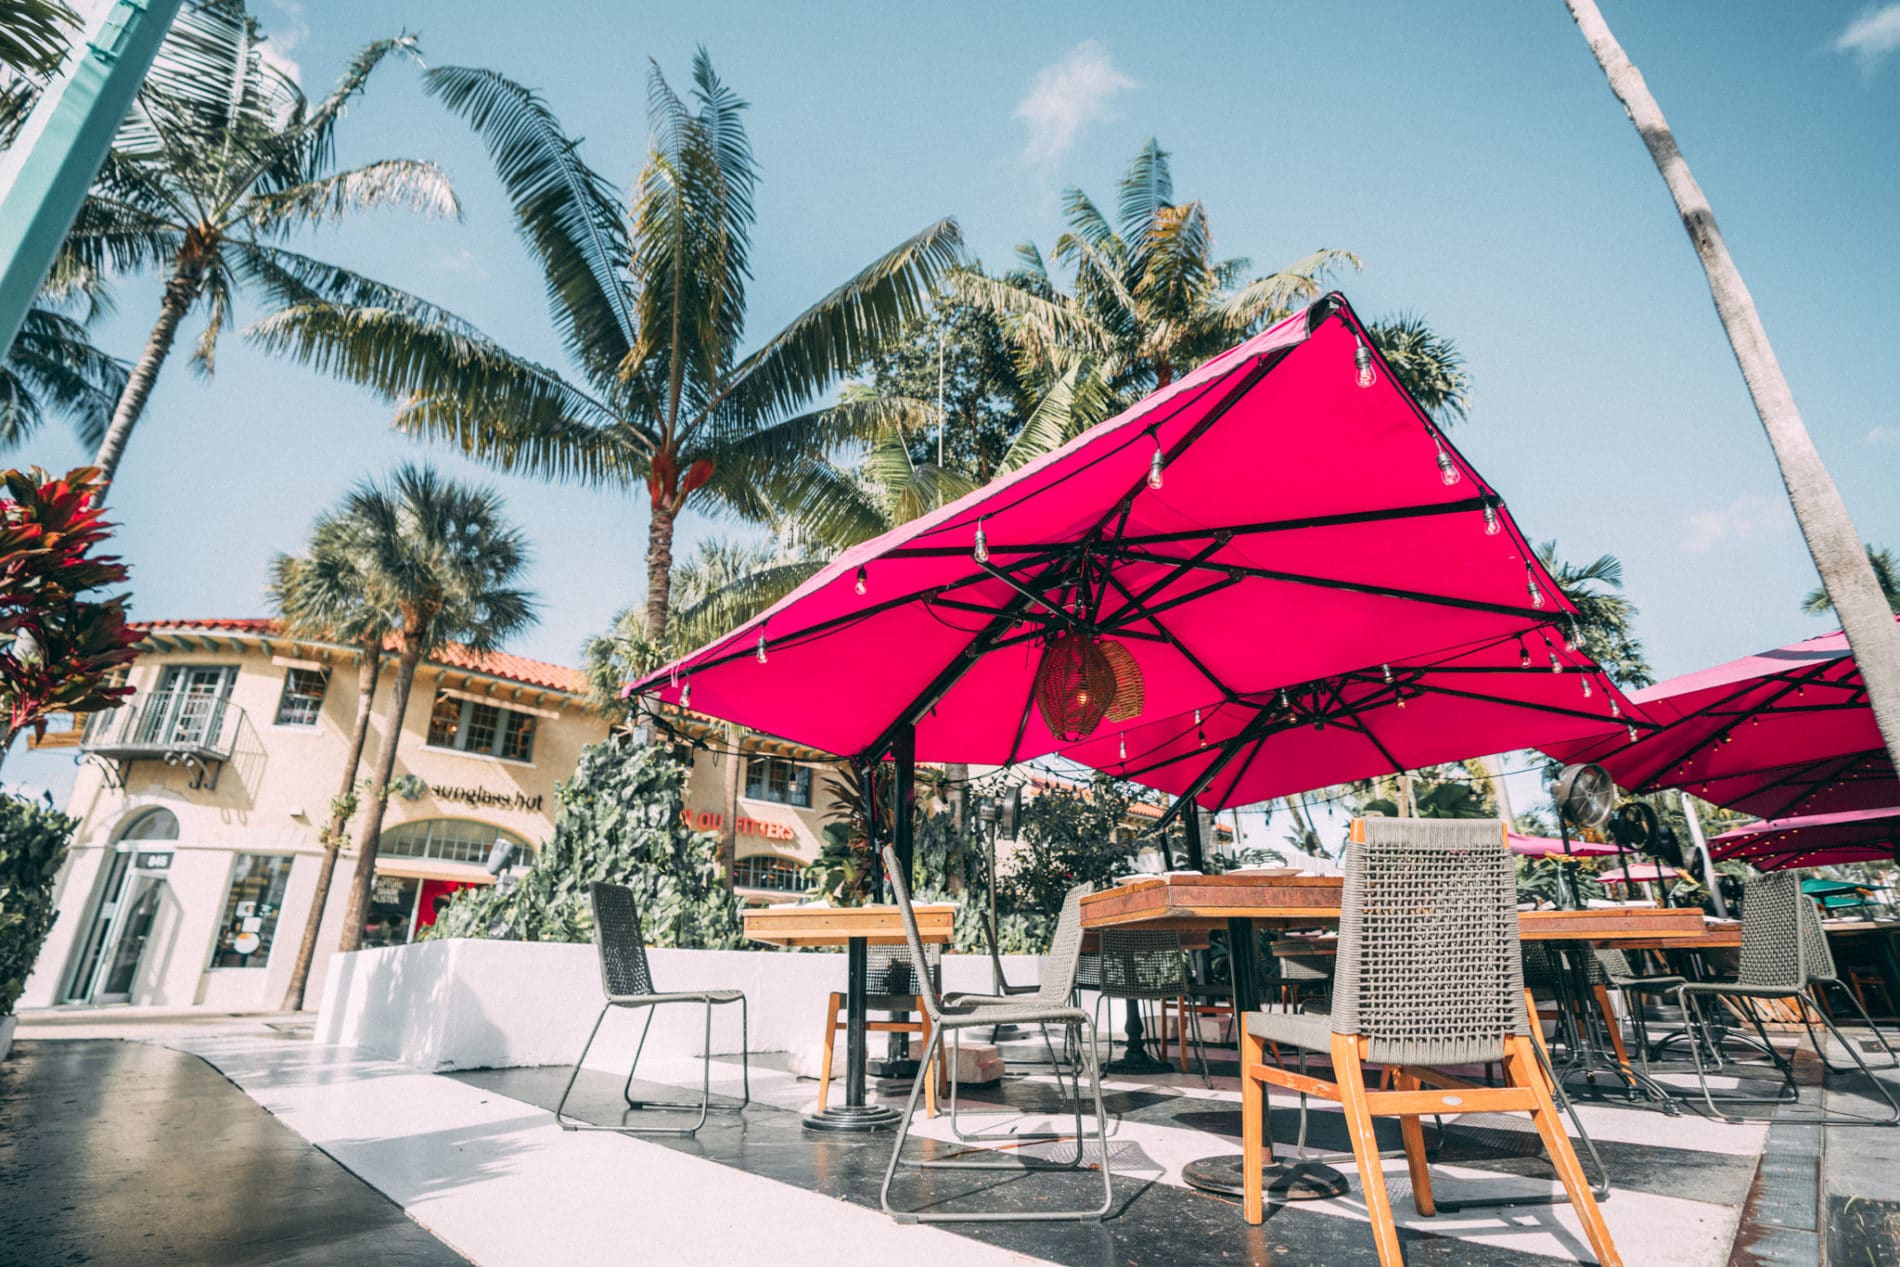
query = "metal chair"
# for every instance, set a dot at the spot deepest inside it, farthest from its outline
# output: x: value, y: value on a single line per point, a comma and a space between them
x: 1620, y: 974
x: 891, y: 987
x: 627, y: 981
x: 1429, y: 976
x: 1785, y: 955
x: 1143, y: 966
x: 1049, y: 1006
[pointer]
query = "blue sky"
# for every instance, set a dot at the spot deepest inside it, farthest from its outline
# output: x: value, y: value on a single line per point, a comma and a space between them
x: 1469, y: 152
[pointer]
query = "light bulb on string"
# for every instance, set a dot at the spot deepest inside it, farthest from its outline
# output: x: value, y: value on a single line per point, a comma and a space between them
x: 1570, y: 633
x: 1362, y: 362
x: 760, y: 653
x: 1523, y: 655
x: 1447, y: 469
x: 981, y: 551
x: 1556, y: 665
x: 1633, y: 737
x: 1616, y: 710
x: 861, y: 584
x: 1154, y: 466
x: 1490, y: 520
x: 1401, y: 701
x: 686, y: 694
x: 1586, y: 686
x: 1530, y: 583
x: 1387, y: 669
x: 1124, y: 746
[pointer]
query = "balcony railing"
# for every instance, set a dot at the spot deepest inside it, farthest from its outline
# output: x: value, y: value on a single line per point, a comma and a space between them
x: 192, y: 729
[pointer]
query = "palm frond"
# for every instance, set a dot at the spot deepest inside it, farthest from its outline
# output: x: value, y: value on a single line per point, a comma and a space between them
x: 35, y: 34
x: 404, y: 183
x: 319, y: 129
x: 1146, y: 188
x: 54, y: 366
x: 1268, y: 298
x: 1426, y: 363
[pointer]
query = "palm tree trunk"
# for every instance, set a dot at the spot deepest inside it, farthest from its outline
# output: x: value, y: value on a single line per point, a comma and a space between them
x: 180, y: 293
x: 360, y: 884
x: 1832, y: 541
x: 659, y: 570
x: 369, y: 664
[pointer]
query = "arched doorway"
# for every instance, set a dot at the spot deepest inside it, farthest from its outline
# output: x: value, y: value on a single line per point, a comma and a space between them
x: 127, y: 908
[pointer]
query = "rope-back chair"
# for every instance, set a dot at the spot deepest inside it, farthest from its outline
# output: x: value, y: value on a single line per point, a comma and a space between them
x: 1785, y: 955
x: 1050, y: 1005
x: 1429, y: 975
x: 891, y: 988
x: 626, y: 979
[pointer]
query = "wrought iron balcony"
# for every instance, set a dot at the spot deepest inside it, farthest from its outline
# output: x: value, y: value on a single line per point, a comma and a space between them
x: 192, y: 729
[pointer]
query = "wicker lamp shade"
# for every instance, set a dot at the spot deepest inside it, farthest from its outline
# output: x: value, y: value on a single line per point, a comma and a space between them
x: 1075, y: 686
x: 1130, y: 691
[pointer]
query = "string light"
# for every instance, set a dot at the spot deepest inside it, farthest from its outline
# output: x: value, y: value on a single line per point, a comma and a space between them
x: 1154, y: 466
x: 761, y: 651
x: 1530, y: 582
x: 1586, y: 686
x: 1490, y: 520
x: 1362, y: 361
x: 1556, y: 665
x: 1570, y: 633
x: 982, y: 549
x: 686, y: 694
x: 1634, y: 737
x: 1523, y: 655
x: 861, y: 581
x: 1124, y: 746
x: 1615, y: 709
x: 1401, y: 701
x: 1447, y: 469
x: 1388, y: 671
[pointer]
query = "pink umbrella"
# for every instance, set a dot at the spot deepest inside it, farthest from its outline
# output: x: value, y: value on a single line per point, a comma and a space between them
x: 1784, y: 731
x: 1639, y: 873
x: 1815, y: 840
x: 1545, y: 846
x: 1283, y: 518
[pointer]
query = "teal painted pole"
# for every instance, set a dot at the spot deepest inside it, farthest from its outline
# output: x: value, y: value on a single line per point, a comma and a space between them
x: 55, y: 161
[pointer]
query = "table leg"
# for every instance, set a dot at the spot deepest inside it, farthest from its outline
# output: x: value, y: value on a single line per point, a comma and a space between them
x: 854, y: 1114
x: 1135, y: 1057
x: 1286, y: 1180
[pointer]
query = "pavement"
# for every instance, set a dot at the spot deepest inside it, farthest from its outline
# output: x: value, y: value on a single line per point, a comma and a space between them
x: 234, y: 1140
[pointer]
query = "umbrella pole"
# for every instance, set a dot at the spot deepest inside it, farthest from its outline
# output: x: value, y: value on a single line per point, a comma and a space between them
x: 1702, y: 847
x: 1191, y: 834
x: 1566, y: 893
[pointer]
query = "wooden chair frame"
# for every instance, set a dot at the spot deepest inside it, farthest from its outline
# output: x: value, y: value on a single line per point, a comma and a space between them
x: 920, y: 1026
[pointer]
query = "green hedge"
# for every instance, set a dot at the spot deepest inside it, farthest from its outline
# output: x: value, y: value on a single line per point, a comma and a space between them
x: 33, y: 842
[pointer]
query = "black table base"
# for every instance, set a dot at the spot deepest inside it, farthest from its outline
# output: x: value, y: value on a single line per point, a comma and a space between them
x: 854, y: 1117
x: 854, y: 1114
x: 1285, y: 1180
x: 1135, y: 1058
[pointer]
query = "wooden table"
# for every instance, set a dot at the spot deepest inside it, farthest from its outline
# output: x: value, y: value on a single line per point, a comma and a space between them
x: 855, y: 928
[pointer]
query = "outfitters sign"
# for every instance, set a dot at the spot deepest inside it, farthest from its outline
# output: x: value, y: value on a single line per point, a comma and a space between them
x: 707, y: 820
x: 490, y: 800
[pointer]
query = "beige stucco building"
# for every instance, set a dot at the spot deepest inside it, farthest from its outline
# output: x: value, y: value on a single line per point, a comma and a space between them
x: 200, y: 803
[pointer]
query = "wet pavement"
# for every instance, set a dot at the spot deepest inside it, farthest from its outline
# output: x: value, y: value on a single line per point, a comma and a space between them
x: 129, y: 1153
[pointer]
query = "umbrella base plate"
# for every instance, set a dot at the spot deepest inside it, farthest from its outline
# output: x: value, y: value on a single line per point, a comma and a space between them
x: 846, y: 1118
x: 1285, y: 1180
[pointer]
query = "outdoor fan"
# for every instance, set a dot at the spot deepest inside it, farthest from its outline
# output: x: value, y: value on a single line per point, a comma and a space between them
x: 1584, y: 795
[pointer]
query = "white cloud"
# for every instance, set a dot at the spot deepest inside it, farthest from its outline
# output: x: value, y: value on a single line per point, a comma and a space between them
x: 1068, y: 95
x: 1749, y: 517
x: 1871, y: 37
x: 1883, y: 434
x: 284, y: 35
x: 465, y: 261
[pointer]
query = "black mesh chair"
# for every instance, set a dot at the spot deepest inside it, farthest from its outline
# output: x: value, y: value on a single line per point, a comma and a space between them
x: 1785, y: 955
x: 1142, y: 966
x: 627, y: 981
x: 1051, y: 1005
x: 1636, y: 987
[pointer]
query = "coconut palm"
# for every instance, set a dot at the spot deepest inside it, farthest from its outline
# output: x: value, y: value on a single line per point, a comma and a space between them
x: 35, y: 34
x: 220, y: 159
x: 650, y: 308
x: 1605, y: 623
x: 1835, y: 546
x: 1886, y: 574
x: 53, y: 368
x: 326, y: 593
x: 442, y: 561
x: 1149, y: 300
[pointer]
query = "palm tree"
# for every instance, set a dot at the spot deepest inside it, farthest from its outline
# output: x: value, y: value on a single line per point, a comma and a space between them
x: 1149, y: 301
x: 440, y: 558
x: 327, y: 594
x: 1835, y: 546
x: 651, y: 310
x: 53, y: 367
x: 1886, y: 574
x: 1605, y: 623
x: 219, y: 160
x: 35, y: 34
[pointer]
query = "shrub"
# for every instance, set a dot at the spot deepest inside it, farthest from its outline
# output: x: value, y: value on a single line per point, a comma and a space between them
x: 33, y: 843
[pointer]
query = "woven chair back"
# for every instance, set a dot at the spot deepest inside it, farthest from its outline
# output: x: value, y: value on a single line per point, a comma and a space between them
x: 623, y: 954
x: 1429, y: 968
x: 1772, y: 941
x: 1142, y: 964
x: 919, y: 960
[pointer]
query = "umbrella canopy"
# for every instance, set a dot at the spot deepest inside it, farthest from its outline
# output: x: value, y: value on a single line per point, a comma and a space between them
x: 1545, y: 846
x: 1639, y: 873
x: 1814, y: 840
x: 1787, y: 731
x: 1283, y: 518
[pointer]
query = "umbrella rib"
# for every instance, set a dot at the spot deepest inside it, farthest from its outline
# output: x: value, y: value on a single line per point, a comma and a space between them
x: 1360, y: 587
x: 1482, y: 698
x: 1173, y: 641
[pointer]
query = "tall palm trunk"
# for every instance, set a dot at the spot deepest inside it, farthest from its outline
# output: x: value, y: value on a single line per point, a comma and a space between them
x: 1832, y: 541
x: 407, y: 658
x: 180, y: 293
x: 659, y: 569
x: 369, y: 665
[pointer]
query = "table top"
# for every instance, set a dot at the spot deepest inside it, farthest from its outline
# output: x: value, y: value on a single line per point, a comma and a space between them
x: 1311, y: 901
x: 836, y: 925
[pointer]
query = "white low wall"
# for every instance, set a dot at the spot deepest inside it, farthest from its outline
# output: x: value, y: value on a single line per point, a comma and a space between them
x: 470, y: 1004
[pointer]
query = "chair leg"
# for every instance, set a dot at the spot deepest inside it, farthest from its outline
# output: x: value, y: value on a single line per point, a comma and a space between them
x: 1520, y: 1065
x: 1351, y: 1079
x: 930, y: 1070
x: 1180, y: 1028
x: 903, y: 1131
x: 626, y: 1090
x: 1414, y: 1135
x: 559, y: 1115
x: 824, y: 1061
x: 1253, y: 1112
x: 1604, y: 1006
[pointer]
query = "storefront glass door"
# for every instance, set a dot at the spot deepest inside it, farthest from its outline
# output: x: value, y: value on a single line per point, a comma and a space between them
x: 118, y: 872
x: 128, y: 946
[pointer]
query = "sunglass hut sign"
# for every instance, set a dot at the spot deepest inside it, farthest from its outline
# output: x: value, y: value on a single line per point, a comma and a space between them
x: 488, y: 800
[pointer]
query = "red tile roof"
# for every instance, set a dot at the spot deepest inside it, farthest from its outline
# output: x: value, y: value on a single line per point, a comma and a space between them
x: 500, y: 664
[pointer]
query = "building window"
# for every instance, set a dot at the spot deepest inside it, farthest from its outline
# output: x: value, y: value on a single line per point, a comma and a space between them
x: 770, y: 779
x: 446, y: 839
x: 472, y: 726
x: 188, y: 707
x: 153, y: 824
x: 302, y: 700
x: 250, y: 910
x: 780, y: 875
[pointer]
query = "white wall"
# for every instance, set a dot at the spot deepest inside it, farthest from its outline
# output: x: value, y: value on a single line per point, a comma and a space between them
x: 467, y: 1004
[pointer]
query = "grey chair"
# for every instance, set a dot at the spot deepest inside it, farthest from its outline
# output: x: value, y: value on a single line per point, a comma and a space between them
x: 1785, y: 955
x: 1049, y: 1006
x: 1143, y: 966
x: 1636, y: 988
x: 627, y: 981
